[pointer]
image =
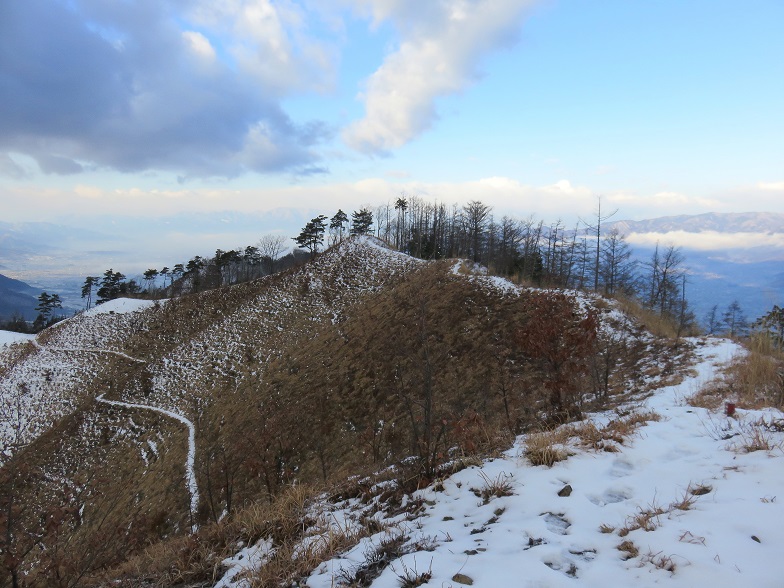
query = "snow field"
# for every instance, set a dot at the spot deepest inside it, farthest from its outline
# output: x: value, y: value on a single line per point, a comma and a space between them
x: 9, y: 337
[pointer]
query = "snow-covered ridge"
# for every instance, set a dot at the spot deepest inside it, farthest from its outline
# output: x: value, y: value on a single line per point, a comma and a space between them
x: 122, y: 306
x: 43, y: 378
x: 45, y: 381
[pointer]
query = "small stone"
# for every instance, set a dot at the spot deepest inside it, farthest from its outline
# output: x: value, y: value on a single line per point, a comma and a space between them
x: 462, y: 579
x: 565, y: 491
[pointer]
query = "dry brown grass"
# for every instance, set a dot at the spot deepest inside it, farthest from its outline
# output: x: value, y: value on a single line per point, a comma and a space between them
x: 757, y: 379
x: 547, y: 447
x: 759, y: 435
x: 617, y: 431
x: 496, y: 487
x: 606, y: 529
x: 649, y: 518
x: 629, y: 549
x: 626, y: 424
x: 551, y: 446
x: 709, y: 395
x: 301, y: 540
x: 646, y: 519
x: 754, y: 380
x: 294, y: 560
x: 198, y: 557
x: 658, y: 325
x: 659, y: 561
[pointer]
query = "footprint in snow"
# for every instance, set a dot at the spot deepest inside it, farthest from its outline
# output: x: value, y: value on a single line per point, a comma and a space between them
x: 621, y: 467
x: 556, y: 523
x: 610, y: 496
x: 566, y: 562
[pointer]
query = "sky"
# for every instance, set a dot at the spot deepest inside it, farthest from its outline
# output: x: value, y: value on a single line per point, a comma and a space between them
x: 144, y: 109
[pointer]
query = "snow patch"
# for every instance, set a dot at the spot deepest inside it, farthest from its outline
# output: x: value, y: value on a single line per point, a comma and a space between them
x: 122, y: 306
x: 9, y: 337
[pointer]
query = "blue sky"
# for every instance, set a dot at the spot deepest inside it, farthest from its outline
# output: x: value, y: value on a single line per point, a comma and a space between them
x: 157, y: 107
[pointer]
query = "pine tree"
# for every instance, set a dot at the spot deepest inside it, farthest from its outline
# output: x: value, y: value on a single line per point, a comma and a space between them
x: 734, y: 321
x: 337, y: 225
x: 47, y: 303
x: 111, y: 286
x: 312, y: 234
x: 772, y: 322
x: 361, y: 221
x: 87, y: 289
x: 149, y: 277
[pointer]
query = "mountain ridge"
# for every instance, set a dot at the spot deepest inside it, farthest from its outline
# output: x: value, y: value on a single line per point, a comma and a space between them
x: 286, y: 379
x: 17, y: 298
x: 728, y: 222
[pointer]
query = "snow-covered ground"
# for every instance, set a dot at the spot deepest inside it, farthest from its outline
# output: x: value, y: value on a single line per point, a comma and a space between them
x: 8, y: 337
x: 121, y: 306
x: 712, y: 511
x: 44, y: 381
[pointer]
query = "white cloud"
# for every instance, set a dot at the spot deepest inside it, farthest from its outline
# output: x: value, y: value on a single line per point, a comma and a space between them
x: 442, y: 45
x: 89, y: 192
x: 507, y: 197
x: 271, y: 42
x: 9, y: 168
x: 771, y: 186
x: 200, y: 45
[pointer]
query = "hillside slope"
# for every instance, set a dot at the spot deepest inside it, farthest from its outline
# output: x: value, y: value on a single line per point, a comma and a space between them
x: 140, y: 421
x: 652, y: 493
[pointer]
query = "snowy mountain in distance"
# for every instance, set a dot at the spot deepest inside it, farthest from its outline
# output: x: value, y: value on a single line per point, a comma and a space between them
x: 743, y: 222
x: 729, y: 256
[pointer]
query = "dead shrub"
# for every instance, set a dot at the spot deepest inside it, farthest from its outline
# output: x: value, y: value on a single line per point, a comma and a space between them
x: 753, y: 380
x: 757, y: 436
x: 659, y: 561
x: 547, y: 447
x: 629, y: 549
x: 496, y: 487
x: 646, y: 519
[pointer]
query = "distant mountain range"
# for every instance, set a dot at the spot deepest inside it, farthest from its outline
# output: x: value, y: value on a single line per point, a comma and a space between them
x: 17, y: 298
x: 744, y: 222
x: 729, y: 255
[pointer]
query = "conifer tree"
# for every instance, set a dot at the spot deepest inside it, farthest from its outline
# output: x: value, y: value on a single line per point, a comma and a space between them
x: 361, y: 221
x: 87, y: 289
x: 337, y: 225
x: 312, y: 234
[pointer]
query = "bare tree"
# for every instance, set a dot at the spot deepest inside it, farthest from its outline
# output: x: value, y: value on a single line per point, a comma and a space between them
x: 475, y: 219
x: 597, y: 230
x: 617, y: 268
x: 664, y: 279
x: 271, y: 247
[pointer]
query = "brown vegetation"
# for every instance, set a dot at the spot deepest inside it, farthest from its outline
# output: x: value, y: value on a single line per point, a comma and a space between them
x: 303, y: 377
x: 752, y: 380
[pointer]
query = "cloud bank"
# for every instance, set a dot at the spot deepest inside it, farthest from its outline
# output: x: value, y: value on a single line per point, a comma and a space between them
x: 198, y: 87
x: 191, y: 86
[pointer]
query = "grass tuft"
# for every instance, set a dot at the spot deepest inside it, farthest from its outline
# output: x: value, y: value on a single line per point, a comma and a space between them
x: 547, y: 447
